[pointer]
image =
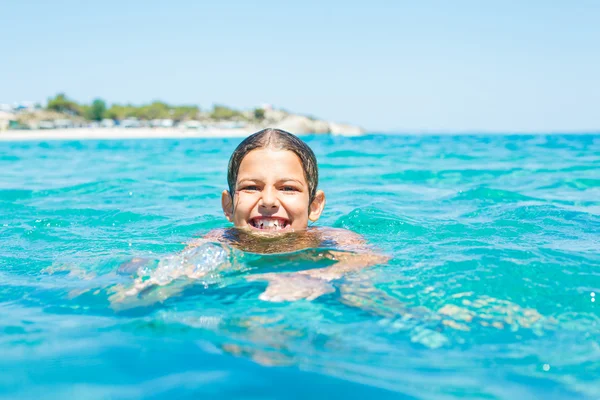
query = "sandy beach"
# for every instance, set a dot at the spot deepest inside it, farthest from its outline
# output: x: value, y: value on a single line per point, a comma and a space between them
x: 121, y: 133
x: 177, y: 133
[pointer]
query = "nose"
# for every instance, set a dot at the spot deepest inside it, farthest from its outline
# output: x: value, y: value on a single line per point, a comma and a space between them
x: 268, y: 199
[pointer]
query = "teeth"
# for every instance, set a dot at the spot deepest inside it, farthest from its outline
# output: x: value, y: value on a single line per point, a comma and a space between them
x: 268, y: 224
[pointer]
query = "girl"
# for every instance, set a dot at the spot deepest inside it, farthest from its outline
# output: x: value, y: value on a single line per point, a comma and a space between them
x: 272, y: 196
x: 272, y: 178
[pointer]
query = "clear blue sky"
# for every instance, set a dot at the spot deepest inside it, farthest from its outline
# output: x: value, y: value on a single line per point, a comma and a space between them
x: 386, y: 65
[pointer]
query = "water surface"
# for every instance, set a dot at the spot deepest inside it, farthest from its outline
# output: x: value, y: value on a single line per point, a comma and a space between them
x: 490, y: 291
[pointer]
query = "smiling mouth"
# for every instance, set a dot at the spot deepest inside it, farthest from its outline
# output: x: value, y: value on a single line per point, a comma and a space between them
x: 269, y: 224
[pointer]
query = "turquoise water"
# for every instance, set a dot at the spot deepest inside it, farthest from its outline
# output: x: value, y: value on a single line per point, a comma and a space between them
x: 489, y: 293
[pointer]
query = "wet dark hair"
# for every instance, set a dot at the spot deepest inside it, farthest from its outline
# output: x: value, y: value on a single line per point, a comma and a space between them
x: 280, y: 140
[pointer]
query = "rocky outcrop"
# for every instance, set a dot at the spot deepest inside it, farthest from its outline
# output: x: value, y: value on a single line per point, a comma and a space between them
x: 299, y: 124
x: 345, y: 129
x: 321, y: 127
x: 295, y: 123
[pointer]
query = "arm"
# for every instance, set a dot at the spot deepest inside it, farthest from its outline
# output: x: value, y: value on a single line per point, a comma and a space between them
x: 356, y: 254
x: 346, y: 262
x: 133, y: 265
x: 313, y: 283
x: 190, y: 263
x: 216, y: 235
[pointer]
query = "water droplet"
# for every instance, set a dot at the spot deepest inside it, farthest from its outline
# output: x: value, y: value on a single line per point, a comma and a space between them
x: 593, y: 299
x: 592, y: 294
x: 546, y: 367
x: 131, y: 193
x: 129, y: 244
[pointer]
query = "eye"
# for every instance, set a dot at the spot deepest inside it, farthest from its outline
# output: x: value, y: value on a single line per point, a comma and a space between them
x: 289, y: 189
x: 250, y: 188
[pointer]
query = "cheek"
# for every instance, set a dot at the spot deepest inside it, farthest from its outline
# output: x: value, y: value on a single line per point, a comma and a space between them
x: 243, y: 204
x: 298, y: 206
x: 300, y: 221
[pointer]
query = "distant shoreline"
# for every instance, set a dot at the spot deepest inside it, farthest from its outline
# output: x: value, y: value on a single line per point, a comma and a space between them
x: 176, y: 133
x: 120, y: 133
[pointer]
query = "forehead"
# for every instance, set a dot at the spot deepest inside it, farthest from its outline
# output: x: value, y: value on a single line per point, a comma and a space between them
x: 270, y: 163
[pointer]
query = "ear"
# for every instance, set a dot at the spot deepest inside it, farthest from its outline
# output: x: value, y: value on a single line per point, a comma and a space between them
x: 227, y: 205
x: 317, y: 206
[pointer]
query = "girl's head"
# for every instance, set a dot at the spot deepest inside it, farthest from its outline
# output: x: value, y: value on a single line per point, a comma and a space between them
x: 272, y: 178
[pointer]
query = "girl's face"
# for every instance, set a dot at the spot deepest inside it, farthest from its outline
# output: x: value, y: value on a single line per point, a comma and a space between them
x: 271, y: 193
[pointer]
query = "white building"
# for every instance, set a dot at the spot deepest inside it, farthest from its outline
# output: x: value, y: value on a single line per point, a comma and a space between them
x: 192, y: 124
x: 63, y: 123
x: 46, y: 125
x: 130, y: 123
x: 5, y: 119
x: 107, y: 123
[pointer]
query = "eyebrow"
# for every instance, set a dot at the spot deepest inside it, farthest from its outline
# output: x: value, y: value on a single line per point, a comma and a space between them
x: 290, y: 180
x: 260, y: 180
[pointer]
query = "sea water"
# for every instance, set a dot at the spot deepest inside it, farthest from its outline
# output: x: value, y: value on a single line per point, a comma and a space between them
x: 492, y: 289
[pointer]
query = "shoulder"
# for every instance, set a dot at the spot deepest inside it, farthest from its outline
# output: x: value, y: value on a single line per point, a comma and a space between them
x: 216, y: 235
x: 343, y: 234
x: 343, y: 238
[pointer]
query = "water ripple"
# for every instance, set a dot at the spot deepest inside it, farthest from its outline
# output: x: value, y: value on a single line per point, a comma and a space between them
x: 492, y: 288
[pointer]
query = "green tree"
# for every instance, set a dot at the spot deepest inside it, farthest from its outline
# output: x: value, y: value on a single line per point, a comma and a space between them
x: 120, y: 112
x: 223, y: 112
x: 116, y: 111
x: 85, y: 111
x: 182, y: 113
x: 259, y: 113
x: 62, y: 104
x: 155, y: 110
x: 97, y: 111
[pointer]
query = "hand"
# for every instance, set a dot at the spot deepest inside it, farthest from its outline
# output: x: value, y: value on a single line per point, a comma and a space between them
x: 291, y: 287
x: 131, y: 267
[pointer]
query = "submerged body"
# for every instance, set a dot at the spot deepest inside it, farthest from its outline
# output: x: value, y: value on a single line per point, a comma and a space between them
x: 347, y: 249
x: 343, y: 250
